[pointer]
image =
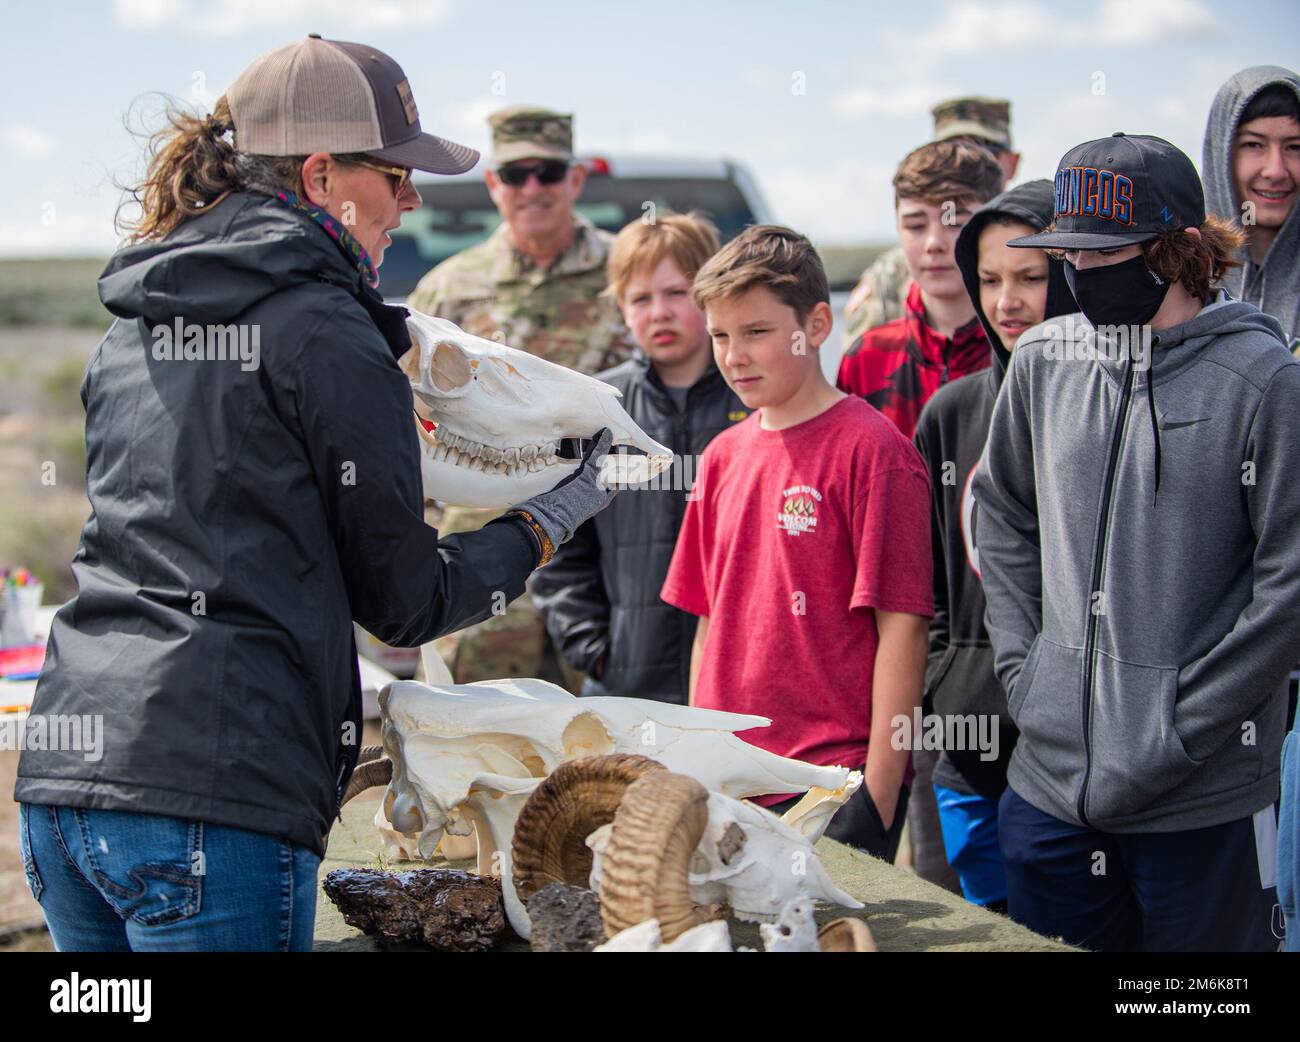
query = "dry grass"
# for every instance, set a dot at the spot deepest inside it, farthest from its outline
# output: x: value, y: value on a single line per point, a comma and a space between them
x: 42, y: 451
x: 55, y: 292
x: 41, y: 420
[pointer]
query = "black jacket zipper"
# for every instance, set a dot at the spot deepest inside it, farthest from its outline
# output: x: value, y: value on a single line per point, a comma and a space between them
x: 338, y: 792
x: 1098, y: 561
x: 348, y: 754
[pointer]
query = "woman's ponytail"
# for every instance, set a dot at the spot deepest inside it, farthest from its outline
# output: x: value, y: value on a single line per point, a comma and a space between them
x: 191, y: 168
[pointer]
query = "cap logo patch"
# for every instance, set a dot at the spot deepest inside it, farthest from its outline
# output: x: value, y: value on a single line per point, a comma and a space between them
x: 1086, y: 191
x: 408, y: 102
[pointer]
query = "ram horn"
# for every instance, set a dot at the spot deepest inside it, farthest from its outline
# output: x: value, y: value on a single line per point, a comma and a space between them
x: 846, y: 935
x: 373, y: 769
x: 646, y: 863
x: 578, y: 797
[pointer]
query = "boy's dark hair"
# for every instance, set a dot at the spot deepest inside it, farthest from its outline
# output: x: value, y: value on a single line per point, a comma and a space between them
x: 955, y: 170
x: 1277, y: 99
x: 766, y: 255
x: 1199, y: 264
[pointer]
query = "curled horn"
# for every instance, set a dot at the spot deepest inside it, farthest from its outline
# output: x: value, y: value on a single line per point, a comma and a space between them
x: 646, y: 864
x: 577, y: 798
x: 373, y: 769
x: 846, y: 935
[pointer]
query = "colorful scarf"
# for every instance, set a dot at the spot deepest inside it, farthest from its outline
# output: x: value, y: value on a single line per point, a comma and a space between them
x: 336, y: 232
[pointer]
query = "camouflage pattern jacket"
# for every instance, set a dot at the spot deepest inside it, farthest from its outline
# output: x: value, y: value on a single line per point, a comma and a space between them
x: 493, y: 291
x: 878, y: 297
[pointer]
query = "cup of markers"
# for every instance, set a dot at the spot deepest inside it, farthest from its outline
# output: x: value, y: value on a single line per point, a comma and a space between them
x: 20, y: 597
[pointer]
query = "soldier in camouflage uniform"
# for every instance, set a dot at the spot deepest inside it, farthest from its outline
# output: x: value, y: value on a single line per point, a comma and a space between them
x: 534, y: 284
x: 878, y: 296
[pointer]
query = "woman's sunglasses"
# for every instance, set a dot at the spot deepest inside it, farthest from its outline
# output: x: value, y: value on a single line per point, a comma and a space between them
x: 548, y: 172
x: 402, y: 174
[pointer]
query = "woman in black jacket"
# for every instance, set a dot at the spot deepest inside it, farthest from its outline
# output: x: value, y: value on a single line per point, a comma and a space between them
x: 253, y: 473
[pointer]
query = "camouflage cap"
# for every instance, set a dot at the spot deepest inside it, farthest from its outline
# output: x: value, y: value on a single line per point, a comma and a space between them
x: 986, y: 118
x: 529, y: 132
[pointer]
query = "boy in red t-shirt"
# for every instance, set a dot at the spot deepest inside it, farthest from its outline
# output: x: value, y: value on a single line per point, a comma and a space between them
x: 805, y: 550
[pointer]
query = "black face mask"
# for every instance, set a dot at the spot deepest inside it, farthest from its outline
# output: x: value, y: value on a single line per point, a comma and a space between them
x: 1124, y: 294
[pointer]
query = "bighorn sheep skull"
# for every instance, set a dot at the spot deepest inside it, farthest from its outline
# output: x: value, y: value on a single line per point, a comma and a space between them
x: 501, y: 414
x: 737, y: 855
x: 462, y: 759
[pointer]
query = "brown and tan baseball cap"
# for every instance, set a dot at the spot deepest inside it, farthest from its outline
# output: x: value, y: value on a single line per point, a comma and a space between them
x: 530, y: 132
x: 329, y: 96
x: 988, y: 119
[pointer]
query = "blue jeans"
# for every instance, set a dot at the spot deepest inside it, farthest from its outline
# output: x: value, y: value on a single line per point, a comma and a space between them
x: 118, y: 881
x: 970, y: 839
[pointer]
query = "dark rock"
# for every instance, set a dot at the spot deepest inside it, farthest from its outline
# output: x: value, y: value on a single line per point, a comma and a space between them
x: 446, y: 909
x: 565, y: 919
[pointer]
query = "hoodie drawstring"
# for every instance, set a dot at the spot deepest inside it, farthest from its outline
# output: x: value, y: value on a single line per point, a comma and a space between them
x: 1155, y: 426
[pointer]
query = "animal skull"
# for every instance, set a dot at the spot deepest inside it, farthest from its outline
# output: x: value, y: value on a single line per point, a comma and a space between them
x: 756, y: 863
x: 795, y: 929
x: 501, y: 414
x: 465, y: 758
x: 747, y: 858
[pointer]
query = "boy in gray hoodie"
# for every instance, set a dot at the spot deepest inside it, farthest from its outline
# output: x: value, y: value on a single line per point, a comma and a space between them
x: 1251, y: 162
x: 1139, y: 543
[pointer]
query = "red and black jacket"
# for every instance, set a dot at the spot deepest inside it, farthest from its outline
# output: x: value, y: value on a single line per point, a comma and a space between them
x: 898, y: 366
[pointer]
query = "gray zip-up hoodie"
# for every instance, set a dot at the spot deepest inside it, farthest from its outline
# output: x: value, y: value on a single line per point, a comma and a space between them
x: 1273, y: 286
x: 1144, y: 638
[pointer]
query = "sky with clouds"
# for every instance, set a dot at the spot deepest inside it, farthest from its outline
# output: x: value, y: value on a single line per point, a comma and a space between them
x: 819, y: 99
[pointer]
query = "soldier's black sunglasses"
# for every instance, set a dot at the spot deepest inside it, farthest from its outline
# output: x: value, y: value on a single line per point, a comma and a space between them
x: 549, y: 172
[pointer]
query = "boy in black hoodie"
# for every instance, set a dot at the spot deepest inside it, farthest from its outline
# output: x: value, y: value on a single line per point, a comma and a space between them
x: 1012, y: 290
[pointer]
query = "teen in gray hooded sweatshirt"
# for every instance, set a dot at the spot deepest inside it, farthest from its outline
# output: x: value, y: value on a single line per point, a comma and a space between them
x: 1139, y: 543
x: 1252, y: 146
x: 1268, y: 98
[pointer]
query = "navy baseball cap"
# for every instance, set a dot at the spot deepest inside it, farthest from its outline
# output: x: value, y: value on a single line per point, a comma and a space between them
x: 1121, y: 190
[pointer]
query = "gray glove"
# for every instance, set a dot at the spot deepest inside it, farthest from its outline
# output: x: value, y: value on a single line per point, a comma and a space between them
x: 578, y: 497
